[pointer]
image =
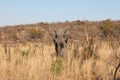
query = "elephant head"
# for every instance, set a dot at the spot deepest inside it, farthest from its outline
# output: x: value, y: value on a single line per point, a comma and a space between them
x: 60, y: 39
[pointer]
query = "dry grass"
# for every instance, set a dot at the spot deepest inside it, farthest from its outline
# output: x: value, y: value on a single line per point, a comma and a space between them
x: 37, y: 60
x: 92, y: 54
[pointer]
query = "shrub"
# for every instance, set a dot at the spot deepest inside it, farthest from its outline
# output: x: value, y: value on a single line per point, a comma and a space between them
x: 25, y: 53
x: 107, y: 28
x: 13, y: 36
x: 57, y: 66
x: 35, y: 33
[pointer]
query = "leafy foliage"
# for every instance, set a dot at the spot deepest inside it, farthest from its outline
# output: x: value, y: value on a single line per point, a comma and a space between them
x: 25, y: 53
x: 57, y: 66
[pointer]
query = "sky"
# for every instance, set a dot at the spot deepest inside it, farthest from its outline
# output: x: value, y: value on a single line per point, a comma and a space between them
x: 15, y: 12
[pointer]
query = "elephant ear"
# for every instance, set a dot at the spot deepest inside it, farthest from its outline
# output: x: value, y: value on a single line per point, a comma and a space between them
x: 52, y: 33
x: 68, y: 31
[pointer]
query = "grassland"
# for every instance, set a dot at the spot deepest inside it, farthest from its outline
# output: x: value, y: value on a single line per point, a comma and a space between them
x: 32, y: 57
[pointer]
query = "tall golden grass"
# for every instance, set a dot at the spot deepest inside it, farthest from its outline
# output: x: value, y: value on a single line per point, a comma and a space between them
x: 38, y: 62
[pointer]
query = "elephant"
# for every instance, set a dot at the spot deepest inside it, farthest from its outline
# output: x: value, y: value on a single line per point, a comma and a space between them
x: 60, y: 39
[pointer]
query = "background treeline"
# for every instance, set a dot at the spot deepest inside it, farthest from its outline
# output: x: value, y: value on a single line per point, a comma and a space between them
x: 99, y: 30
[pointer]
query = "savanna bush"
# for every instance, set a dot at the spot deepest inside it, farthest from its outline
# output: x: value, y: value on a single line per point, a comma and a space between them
x: 25, y: 53
x: 57, y: 66
x: 107, y: 27
x: 35, y: 33
x: 13, y: 36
